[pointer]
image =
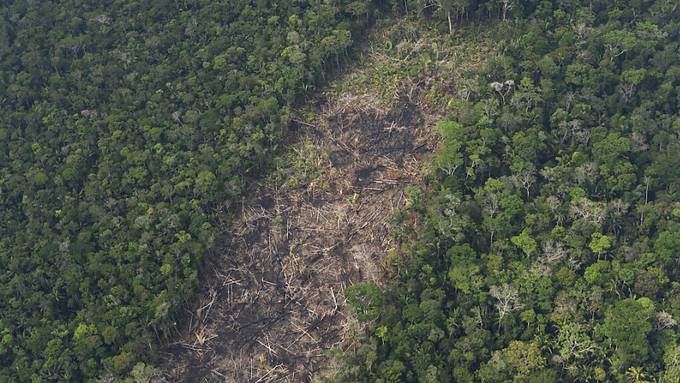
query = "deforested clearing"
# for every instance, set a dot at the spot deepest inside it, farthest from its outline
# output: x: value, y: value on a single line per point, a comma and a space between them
x: 274, y: 304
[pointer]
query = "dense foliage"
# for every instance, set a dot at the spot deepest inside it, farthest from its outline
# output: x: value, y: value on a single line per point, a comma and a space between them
x: 550, y: 249
x: 125, y: 126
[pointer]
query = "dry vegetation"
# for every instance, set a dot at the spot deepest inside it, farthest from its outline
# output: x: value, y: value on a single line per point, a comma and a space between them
x: 273, y: 304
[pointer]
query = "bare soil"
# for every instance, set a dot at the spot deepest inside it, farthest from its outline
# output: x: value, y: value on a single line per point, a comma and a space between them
x: 273, y: 304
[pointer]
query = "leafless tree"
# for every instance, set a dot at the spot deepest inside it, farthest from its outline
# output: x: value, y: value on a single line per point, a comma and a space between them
x: 525, y: 178
x: 617, y: 208
x: 586, y: 174
x: 491, y: 204
x: 588, y: 210
x: 506, y: 6
x: 665, y: 320
x: 507, y: 300
x: 103, y: 19
x: 640, y: 141
x: 574, y: 130
x: 553, y: 252
x: 503, y: 88
x: 582, y: 31
x: 627, y: 90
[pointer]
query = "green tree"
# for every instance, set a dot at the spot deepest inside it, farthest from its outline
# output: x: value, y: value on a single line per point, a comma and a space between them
x: 599, y: 244
x: 366, y: 300
x: 525, y: 242
x: 626, y: 325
